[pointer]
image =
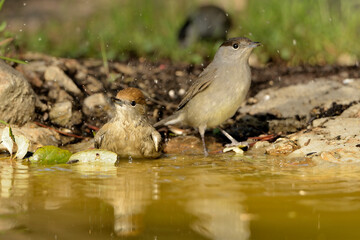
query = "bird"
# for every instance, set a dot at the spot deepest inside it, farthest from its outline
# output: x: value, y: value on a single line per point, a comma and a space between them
x: 129, y: 133
x: 219, y: 90
x: 207, y: 22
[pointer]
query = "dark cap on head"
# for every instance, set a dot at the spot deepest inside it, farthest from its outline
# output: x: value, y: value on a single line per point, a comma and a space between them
x: 238, y: 40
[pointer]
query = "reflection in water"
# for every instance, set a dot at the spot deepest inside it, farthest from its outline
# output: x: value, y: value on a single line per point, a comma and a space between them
x: 127, y: 188
x: 177, y: 198
x: 217, y: 206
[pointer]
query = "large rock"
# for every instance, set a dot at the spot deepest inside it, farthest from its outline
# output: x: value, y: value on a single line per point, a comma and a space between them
x: 299, y: 100
x: 330, y: 139
x: 17, y: 98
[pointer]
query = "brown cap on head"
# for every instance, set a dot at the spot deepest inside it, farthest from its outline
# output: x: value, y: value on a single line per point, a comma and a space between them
x: 131, y: 94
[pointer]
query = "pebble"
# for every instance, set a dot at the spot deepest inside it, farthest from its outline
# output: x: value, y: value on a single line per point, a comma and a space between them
x: 62, y: 114
x: 54, y: 73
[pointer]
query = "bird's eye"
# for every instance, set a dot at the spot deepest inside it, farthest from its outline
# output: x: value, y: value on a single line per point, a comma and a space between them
x: 133, y: 103
x: 235, y: 46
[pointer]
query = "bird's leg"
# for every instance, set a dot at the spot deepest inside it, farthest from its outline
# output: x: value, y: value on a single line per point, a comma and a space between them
x: 202, y: 134
x: 234, y: 142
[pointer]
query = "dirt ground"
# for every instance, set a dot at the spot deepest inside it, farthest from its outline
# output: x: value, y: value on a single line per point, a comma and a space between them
x: 164, y: 83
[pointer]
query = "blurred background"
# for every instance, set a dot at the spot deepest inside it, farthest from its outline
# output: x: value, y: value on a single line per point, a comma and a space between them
x: 292, y: 32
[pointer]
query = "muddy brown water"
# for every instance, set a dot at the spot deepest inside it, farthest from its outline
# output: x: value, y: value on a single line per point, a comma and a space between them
x: 180, y: 197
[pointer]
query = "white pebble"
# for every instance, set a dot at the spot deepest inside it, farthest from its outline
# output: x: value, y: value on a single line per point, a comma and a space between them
x: 172, y: 93
x: 181, y: 91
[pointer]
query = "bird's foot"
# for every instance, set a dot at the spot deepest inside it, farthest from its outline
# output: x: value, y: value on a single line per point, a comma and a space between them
x: 237, y: 144
x: 237, y: 147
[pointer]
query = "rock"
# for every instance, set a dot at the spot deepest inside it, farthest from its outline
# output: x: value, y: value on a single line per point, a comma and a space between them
x: 54, y: 73
x: 96, y: 105
x: 191, y: 145
x: 31, y: 72
x: 38, y: 136
x: 17, y: 98
x: 63, y: 115
x: 93, y: 85
x: 331, y: 139
x: 299, y: 100
x: 282, y: 146
x: 352, y: 112
x: 125, y: 69
x: 59, y: 95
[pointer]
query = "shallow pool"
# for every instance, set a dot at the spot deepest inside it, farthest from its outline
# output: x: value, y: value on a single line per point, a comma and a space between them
x: 181, y: 197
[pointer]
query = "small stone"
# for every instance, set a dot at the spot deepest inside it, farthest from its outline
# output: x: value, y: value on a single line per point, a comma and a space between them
x: 54, y: 73
x: 17, y: 98
x: 59, y: 95
x: 96, y: 105
x: 125, y: 69
x: 93, y: 85
x: 172, y: 94
x: 282, y: 146
x: 179, y: 73
x: 63, y: 115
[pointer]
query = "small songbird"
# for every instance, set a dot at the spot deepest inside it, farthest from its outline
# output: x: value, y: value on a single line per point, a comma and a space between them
x: 129, y: 133
x: 219, y: 91
x: 207, y: 22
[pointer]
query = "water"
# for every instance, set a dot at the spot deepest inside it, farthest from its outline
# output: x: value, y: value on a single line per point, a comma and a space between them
x: 181, y: 197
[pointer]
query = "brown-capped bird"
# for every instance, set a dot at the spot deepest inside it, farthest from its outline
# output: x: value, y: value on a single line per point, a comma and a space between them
x: 219, y: 91
x: 129, y: 133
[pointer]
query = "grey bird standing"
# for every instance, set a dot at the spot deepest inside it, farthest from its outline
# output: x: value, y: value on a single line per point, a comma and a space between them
x: 206, y: 22
x: 219, y: 91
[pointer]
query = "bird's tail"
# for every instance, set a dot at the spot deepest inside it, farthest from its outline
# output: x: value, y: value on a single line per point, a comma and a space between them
x: 172, y: 119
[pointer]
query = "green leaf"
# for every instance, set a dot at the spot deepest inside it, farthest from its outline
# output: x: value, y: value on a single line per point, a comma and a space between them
x: 11, y: 134
x: 3, y: 122
x: 13, y: 60
x: 50, y: 155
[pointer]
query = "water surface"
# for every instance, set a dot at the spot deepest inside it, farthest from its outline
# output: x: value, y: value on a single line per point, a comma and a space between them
x: 180, y: 197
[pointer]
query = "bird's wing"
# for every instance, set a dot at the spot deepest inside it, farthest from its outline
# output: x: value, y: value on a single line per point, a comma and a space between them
x: 156, y: 137
x: 98, y: 139
x: 204, y: 80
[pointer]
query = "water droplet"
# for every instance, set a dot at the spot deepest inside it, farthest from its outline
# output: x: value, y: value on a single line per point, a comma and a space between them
x: 39, y: 39
x: 294, y: 42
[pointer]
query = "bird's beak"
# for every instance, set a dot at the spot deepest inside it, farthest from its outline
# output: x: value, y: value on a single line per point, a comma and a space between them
x: 117, y: 101
x: 254, y: 44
